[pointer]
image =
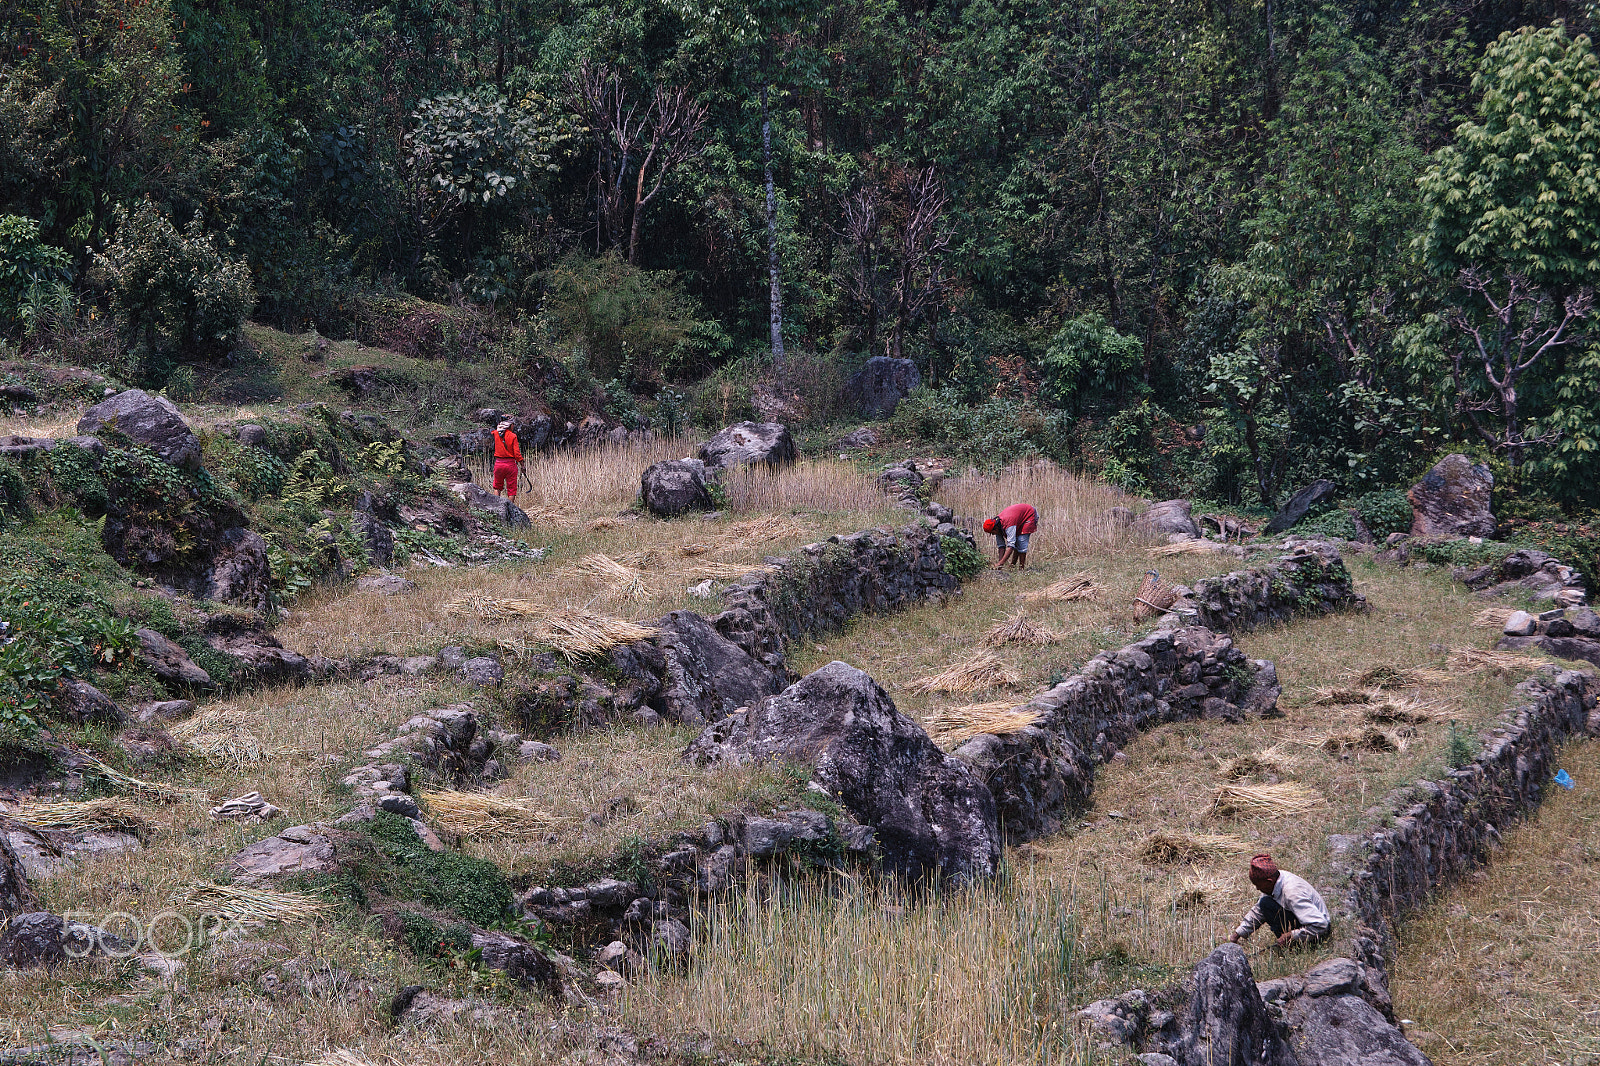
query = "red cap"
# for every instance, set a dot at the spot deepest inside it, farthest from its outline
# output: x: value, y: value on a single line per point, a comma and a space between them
x: 991, y: 524
x: 1262, y: 868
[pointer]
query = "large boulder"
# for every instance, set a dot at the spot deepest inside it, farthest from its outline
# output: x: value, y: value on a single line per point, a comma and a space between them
x: 377, y: 537
x: 1452, y: 500
x: 877, y: 388
x: 262, y: 657
x: 299, y: 851
x: 83, y: 703
x: 1345, y: 1030
x: 240, y: 572
x: 480, y: 500
x: 149, y: 420
x: 749, y: 442
x: 1230, y: 1025
x: 1300, y: 504
x: 168, y: 661
x: 932, y: 814
x: 40, y: 938
x: 1167, y: 518
x: 673, y: 486
x: 707, y: 677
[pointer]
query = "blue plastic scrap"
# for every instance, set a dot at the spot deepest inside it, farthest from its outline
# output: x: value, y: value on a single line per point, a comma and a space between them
x: 1564, y: 779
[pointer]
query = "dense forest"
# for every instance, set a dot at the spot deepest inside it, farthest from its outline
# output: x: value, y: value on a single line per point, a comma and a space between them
x: 1217, y: 247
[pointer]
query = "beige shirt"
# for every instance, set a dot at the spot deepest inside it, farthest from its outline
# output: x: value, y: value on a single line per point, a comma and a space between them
x: 1295, y: 895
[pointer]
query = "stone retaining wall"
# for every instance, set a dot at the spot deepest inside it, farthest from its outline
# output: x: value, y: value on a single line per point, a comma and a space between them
x: 820, y: 587
x: 1042, y: 773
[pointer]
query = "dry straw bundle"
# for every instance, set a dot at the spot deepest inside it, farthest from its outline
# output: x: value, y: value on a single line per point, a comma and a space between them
x: 1018, y: 630
x: 1344, y: 697
x: 1079, y: 586
x: 1154, y: 596
x: 1386, y: 676
x: 1259, y: 764
x: 1412, y: 711
x: 1501, y: 662
x: 102, y: 813
x: 957, y: 725
x: 626, y: 581
x: 575, y: 634
x: 219, y: 734
x: 772, y: 527
x: 255, y: 906
x: 1185, y: 547
x: 342, y: 1057
x: 1493, y: 617
x: 1370, y: 739
x: 979, y: 672
x: 150, y: 790
x: 483, y: 815
x: 725, y: 571
x: 1166, y: 848
x: 1283, y: 800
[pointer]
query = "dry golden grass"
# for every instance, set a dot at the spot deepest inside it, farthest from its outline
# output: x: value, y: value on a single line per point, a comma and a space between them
x: 1505, y: 969
x: 1017, y: 629
x: 954, y: 726
x: 980, y: 672
x: 256, y: 906
x: 1366, y: 739
x: 1500, y: 662
x: 1186, y: 547
x: 1273, y: 761
x: 1072, y: 510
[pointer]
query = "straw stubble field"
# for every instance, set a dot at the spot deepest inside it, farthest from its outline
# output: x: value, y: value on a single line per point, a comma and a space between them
x: 820, y: 967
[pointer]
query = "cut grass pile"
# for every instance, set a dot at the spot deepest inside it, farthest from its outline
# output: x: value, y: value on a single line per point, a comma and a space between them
x: 1018, y: 630
x: 101, y: 813
x: 1284, y: 800
x: 1079, y: 586
x: 1167, y: 848
x: 256, y: 906
x: 982, y: 671
x: 483, y: 814
x: 954, y: 726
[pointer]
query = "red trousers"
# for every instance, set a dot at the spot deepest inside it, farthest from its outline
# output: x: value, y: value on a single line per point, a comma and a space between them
x: 505, y: 476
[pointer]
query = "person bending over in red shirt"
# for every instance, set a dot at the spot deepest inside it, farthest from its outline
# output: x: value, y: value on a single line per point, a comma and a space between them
x: 1011, y: 529
x: 507, y: 457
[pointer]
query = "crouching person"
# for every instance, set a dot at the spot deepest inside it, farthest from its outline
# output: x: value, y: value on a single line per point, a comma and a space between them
x: 1289, y: 906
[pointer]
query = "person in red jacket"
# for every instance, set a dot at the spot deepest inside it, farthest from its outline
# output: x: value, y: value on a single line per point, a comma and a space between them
x: 507, y: 457
x: 1011, y: 529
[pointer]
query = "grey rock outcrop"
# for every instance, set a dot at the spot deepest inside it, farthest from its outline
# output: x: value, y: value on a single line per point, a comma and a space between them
x: 168, y: 661
x: 1300, y: 504
x: 675, y: 486
x: 1309, y: 579
x: 385, y: 584
x: 1167, y: 518
x: 749, y: 442
x: 82, y: 702
x: 1346, y: 1030
x: 40, y: 938
x: 240, y: 572
x: 377, y: 537
x: 879, y: 386
x: 706, y: 676
x: 481, y: 501
x: 931, y: 813
x: 298, y: 851
x: 153, y: 421
x: 1230, y: 1025
x: 261, y: 656
x: 1453, y: 500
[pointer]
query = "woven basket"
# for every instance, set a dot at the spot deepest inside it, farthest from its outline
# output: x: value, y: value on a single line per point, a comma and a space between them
x: 1154, y: 596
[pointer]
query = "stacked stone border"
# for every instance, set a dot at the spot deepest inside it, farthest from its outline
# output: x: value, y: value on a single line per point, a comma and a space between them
x: 1427, y: 836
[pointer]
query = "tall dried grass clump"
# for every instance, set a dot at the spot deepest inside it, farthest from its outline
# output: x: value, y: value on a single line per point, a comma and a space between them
x: 601, y: 477
x: 982, y: 671
x: 954, y: 726
x: 626, y: 581
x: 1493, y: 617
x: 808, y: 485
x: 1281, y: 801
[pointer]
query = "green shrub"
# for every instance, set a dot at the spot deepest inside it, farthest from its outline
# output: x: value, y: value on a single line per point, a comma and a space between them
x: 1385, y: 511
x: 1087, y: 359
x: 621, y: 315
x: 988, y: 435
x: 173, y: 282
x: 26, y: 262
x: 15, y: 506
x: 961, y: 559
x: 1335, y: 522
